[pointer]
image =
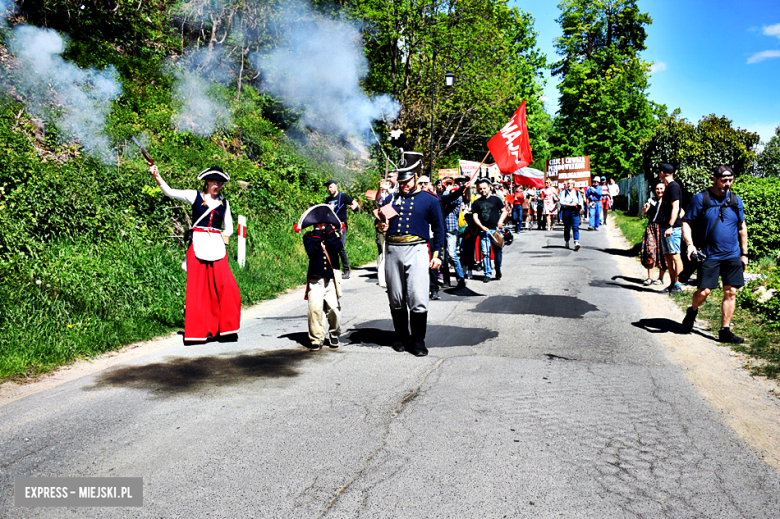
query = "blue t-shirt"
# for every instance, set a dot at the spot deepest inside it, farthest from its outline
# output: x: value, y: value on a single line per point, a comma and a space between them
x: 723, y: 240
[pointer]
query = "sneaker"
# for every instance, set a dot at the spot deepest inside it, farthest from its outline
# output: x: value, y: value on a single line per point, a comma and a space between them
x: 725, y: 335
x: 315, y: 347
x: 435, y: 296
x: 690, y: 319
x: 345, y: 275
x: 486, y: 279
x: 590, y: 228
x: 567, y: 245
x: 576, y: 245
x: 668, y: 289
x: 333, y: 342
x: 676, y: 289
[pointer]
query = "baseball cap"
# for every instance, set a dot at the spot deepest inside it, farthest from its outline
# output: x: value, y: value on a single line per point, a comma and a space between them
x: 668, y: 169
x: 722, y: 171
x: 329, y: 182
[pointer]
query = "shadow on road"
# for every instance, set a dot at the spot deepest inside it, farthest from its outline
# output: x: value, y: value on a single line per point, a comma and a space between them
x: 181, y: 375
x: 631, y: 253
x: 371, y: 272
x: 600, y: 283
x: 663, y: 325
x: 380, y: 333
x: 301, y: 338
x: 536, y: 304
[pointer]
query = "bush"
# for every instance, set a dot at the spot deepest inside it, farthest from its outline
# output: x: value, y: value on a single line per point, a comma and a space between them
x: 761, y: 197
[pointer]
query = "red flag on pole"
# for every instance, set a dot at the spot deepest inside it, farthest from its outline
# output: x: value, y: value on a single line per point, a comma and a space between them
x: 510, y: 146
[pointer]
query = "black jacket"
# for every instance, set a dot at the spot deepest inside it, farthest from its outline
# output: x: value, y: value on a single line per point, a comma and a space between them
x: 318, y: 262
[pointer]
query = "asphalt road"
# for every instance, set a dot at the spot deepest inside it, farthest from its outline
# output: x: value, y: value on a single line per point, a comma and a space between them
x: 542, y: 396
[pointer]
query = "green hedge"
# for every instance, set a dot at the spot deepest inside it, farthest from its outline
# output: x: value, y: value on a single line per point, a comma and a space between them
x: 761, y: 197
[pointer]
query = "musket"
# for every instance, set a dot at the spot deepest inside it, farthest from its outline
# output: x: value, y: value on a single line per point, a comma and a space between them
x: 146, y: 155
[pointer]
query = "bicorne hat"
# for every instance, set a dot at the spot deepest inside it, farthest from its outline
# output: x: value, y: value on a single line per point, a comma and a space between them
x: 408, y: 165
x: 321, y: 213
x: 214, y: 173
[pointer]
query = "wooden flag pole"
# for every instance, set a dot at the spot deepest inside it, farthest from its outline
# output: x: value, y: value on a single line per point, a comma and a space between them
x: 480, y: 166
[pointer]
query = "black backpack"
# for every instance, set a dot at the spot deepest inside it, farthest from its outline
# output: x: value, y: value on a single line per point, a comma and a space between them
x: 701, y: 232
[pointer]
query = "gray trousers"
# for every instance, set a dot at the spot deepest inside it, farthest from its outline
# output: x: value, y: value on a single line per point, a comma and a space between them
x: 406, y: 271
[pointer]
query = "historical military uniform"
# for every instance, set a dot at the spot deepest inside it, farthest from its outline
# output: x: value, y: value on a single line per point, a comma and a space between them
x: 408, y: 257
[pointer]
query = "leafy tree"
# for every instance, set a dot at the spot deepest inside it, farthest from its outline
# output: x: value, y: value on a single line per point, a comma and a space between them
x: 768, y: 161
x: 603, y: 109
x: 694, y: 150
x: 491, y: 49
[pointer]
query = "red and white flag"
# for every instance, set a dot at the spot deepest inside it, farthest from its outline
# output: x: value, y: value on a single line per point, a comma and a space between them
x: 529, y: 177
x: 511, y: 147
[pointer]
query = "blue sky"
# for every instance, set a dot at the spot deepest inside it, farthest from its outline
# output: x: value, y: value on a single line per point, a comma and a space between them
x: 710, y: 56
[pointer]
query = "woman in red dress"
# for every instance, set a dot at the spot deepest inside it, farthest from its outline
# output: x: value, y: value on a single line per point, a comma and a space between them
x: 213, y: 302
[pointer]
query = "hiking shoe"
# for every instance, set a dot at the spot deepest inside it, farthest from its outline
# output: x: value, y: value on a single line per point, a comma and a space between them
x: 567, y: 245
x: 435, y: 296
x: 333, y: 342
x: 576, y: 246
x: 725, y: 335
x: 676, y: 289
x: 690, y: 318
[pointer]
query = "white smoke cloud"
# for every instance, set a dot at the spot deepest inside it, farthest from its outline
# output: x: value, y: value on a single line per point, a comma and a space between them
x: 195, y: 75
x: 318, y: 70
x: 76, y: 100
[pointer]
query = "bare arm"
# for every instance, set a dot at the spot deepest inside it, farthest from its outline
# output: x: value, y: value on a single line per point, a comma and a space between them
x: 675, y: 214
x: 743, y: 243
x: 354, y: 205
x: 504, y: 214
x: 687, y: 237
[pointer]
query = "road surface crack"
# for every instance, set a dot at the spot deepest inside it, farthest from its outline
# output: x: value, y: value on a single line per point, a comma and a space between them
x: 408, y: 398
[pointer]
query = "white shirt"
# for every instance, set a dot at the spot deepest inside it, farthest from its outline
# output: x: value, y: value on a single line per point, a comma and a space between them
x: 614, y: 189
x: 190, y: 195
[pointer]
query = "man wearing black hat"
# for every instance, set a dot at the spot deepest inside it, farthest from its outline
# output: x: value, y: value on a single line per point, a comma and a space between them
x: 408, y: 258
x: 714, y: 223
x: 339, y: 203
x: 671, y: 225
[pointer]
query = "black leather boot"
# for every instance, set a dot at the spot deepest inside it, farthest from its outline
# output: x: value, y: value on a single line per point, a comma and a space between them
x: 419, y: 325
x: 401, y: 326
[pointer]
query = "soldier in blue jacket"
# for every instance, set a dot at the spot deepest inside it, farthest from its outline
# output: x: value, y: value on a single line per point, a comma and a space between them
x: 322, y: 245
x: 411, y: 252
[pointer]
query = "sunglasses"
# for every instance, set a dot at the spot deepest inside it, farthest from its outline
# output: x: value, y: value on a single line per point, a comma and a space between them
x: 727, y: 180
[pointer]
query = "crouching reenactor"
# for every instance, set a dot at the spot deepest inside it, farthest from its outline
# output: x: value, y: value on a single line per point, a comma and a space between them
x: 323, y: 288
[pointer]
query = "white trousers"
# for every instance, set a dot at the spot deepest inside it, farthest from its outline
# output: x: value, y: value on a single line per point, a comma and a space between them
x: 324, y: 310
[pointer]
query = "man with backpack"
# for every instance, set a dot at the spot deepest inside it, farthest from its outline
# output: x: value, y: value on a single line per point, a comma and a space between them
x: 714, y: 230
x: 339, y: 203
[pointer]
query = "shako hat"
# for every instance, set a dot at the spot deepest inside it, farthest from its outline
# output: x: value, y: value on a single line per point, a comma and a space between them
x: 214, y: 173
x: 321, y: 213
x: 407, y: 166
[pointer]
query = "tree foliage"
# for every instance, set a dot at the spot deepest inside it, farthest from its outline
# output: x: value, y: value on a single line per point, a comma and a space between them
x: 768, y: 160
x: 489, y: 47
x: 695, y: 150
x: 603, y: 110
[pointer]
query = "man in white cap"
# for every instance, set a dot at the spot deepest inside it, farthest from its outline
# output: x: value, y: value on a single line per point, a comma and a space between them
x: 593, y: 195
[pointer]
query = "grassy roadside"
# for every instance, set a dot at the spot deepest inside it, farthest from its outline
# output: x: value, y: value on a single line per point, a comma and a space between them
x: 762, y: 336
x: 105, y: 296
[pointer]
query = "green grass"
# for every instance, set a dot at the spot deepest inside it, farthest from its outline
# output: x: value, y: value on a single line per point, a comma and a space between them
x: 632, y: 227
x: 94, y: 298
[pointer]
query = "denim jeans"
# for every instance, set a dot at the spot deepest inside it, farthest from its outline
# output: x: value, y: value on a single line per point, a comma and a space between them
x: 571, y: 221
x: 595, y: 215
x: 517, y: 216
x: 485, y: 244
x: 452, y: 251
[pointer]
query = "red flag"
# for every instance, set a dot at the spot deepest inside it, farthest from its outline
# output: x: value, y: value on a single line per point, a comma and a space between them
x: 511, y: 147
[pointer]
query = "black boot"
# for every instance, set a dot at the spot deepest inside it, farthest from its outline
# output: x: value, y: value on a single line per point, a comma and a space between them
x: 401, y: 326
x: 419, y: 324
